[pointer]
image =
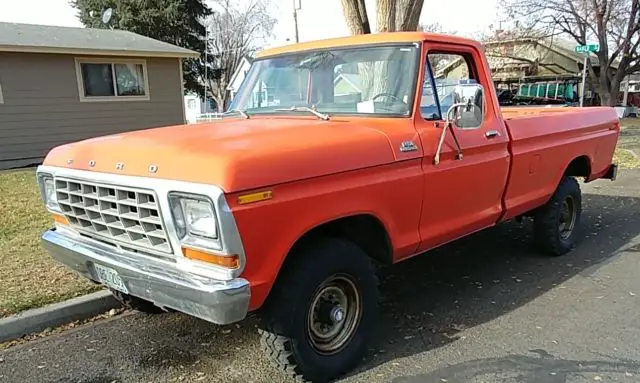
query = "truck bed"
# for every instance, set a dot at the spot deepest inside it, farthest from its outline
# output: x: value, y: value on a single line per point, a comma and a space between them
x: 545, y: 141
x: 509, y: 112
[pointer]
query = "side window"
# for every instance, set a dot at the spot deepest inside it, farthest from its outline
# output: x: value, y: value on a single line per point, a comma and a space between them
x: 448, y: 70
x: 110, y: 80
x: 1, y: 97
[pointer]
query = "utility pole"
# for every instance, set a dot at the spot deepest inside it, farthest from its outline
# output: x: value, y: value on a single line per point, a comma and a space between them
x: 584, y: 78
x: 295, y: 19
x: 206, y: 79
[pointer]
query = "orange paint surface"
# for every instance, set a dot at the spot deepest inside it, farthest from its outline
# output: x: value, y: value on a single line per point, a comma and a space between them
x: 319, y: 171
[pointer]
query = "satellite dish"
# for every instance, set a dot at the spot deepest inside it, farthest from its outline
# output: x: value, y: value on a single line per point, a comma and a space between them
x: 106, y: 15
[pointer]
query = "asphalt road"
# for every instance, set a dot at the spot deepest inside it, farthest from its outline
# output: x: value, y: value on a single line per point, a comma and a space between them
x: 484, y: 309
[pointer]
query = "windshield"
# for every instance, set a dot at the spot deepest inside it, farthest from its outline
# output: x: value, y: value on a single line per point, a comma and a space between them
x: 368, y: 80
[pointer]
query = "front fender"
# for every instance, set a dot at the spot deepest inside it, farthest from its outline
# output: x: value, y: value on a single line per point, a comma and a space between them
x: 270, y: 228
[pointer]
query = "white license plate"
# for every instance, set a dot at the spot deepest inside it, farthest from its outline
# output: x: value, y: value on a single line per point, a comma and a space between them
x: 110, y: 278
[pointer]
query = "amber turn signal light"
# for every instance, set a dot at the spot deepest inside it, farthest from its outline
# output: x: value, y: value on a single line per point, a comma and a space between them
x: 60, y: 219
x: 255, y: 197
x: 229, y: 261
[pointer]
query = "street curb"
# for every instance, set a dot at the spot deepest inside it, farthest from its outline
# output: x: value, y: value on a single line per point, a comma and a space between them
x: 56, y: 314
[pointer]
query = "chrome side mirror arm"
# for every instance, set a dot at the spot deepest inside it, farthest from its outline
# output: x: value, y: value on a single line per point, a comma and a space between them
x: 449, y: 125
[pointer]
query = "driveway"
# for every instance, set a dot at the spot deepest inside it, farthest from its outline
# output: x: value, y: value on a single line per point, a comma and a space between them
x: 485, y: 309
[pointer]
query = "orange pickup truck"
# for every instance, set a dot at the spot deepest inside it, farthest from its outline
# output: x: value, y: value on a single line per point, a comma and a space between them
x: 335, y: 155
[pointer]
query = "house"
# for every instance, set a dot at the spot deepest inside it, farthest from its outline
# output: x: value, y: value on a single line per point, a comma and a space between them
x: 261, y: 94
x: 60, y: 84
x: 346, y: 83
x: 629, y: 96
x: 238, y: 76
x: 192, y: 107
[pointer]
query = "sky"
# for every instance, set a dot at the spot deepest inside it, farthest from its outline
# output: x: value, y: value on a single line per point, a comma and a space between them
x: 317, y: 19
x: 324, y: 19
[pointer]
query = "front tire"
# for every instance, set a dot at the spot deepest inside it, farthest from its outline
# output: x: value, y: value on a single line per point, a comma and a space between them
x: 556, y: 223
x: 321, y: 311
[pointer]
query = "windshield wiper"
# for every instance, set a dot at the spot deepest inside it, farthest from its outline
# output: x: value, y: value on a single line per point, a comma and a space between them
x: 236, y: 111
x: 321, y: 116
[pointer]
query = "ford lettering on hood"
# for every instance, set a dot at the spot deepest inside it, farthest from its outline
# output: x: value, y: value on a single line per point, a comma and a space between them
x: 235, y: 154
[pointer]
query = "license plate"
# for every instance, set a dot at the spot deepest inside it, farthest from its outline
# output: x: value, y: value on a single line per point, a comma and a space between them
x: 110, y: 278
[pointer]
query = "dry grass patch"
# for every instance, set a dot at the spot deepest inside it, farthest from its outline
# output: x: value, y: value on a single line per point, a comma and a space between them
x: 628, y: 150
x: 626, y: 158
x: 28, y: 276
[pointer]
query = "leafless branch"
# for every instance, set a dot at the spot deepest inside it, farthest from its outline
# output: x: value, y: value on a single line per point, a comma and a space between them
x: 234, y: 32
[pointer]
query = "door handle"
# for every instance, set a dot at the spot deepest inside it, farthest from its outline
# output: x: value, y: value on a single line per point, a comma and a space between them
x: 492, y: 133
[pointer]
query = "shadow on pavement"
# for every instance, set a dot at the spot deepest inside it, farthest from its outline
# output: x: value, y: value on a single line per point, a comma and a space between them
x: 525, y: 369
x: 427, y: 300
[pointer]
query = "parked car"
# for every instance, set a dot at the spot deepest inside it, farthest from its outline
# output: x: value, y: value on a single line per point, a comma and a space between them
x: 284, y: 208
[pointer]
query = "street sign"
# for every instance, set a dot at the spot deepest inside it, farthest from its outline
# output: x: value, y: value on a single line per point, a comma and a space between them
x: 587, y: 48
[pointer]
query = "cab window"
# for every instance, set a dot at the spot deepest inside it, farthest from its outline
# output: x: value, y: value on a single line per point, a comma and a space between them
x: 444, y: 72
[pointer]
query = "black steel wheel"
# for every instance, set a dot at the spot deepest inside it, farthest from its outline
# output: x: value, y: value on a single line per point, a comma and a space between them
x: 321, y: 311
x: 556, y: 223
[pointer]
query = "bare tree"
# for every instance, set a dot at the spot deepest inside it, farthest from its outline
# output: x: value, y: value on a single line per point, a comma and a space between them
x: 613, y: 24
x: 234, y: 32
x: 391, y: 15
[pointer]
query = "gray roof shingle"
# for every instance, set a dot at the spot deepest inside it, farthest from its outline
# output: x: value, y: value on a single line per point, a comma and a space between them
x: 53, y: 39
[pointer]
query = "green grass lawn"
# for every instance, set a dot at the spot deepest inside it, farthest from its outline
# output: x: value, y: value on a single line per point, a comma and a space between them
x: 28, y: 276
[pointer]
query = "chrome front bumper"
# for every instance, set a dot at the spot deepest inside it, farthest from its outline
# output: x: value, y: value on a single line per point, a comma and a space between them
x: 158, y: 281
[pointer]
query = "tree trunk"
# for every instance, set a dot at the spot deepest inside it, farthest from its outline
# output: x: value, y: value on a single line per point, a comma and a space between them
x: 610, y: 97
x: 410, y: 10
x: 220, y: 102
x: 371, y: 74
x: 392, y: 15
x: 386, y: 19
x: 605, y: 98
x: 356, y: 17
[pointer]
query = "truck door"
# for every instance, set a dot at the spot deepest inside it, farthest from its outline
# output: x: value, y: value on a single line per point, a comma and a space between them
x: 461, y: 195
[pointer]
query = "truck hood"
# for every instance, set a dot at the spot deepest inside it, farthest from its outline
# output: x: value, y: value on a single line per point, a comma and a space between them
x: 235, y: 154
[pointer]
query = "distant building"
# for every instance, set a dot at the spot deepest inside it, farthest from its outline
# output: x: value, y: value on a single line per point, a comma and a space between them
x: 238, y: 76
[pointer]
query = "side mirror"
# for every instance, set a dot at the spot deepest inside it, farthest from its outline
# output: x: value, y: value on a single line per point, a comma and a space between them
x: 466, y: 112
x: 469, y: 102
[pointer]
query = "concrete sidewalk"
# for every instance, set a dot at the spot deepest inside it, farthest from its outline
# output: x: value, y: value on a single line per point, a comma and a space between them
x: 56, y: 314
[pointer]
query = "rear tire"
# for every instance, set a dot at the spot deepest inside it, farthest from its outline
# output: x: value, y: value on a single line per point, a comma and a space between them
x: 556, y: 223
x: 135, y: 303
x: 321, y: 311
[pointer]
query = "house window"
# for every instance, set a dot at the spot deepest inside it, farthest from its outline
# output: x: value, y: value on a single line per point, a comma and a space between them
x: 113, y: 80
x: 191, y: 104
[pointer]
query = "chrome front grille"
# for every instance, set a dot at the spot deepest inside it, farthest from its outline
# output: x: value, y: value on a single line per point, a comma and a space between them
x: 127, y: 217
